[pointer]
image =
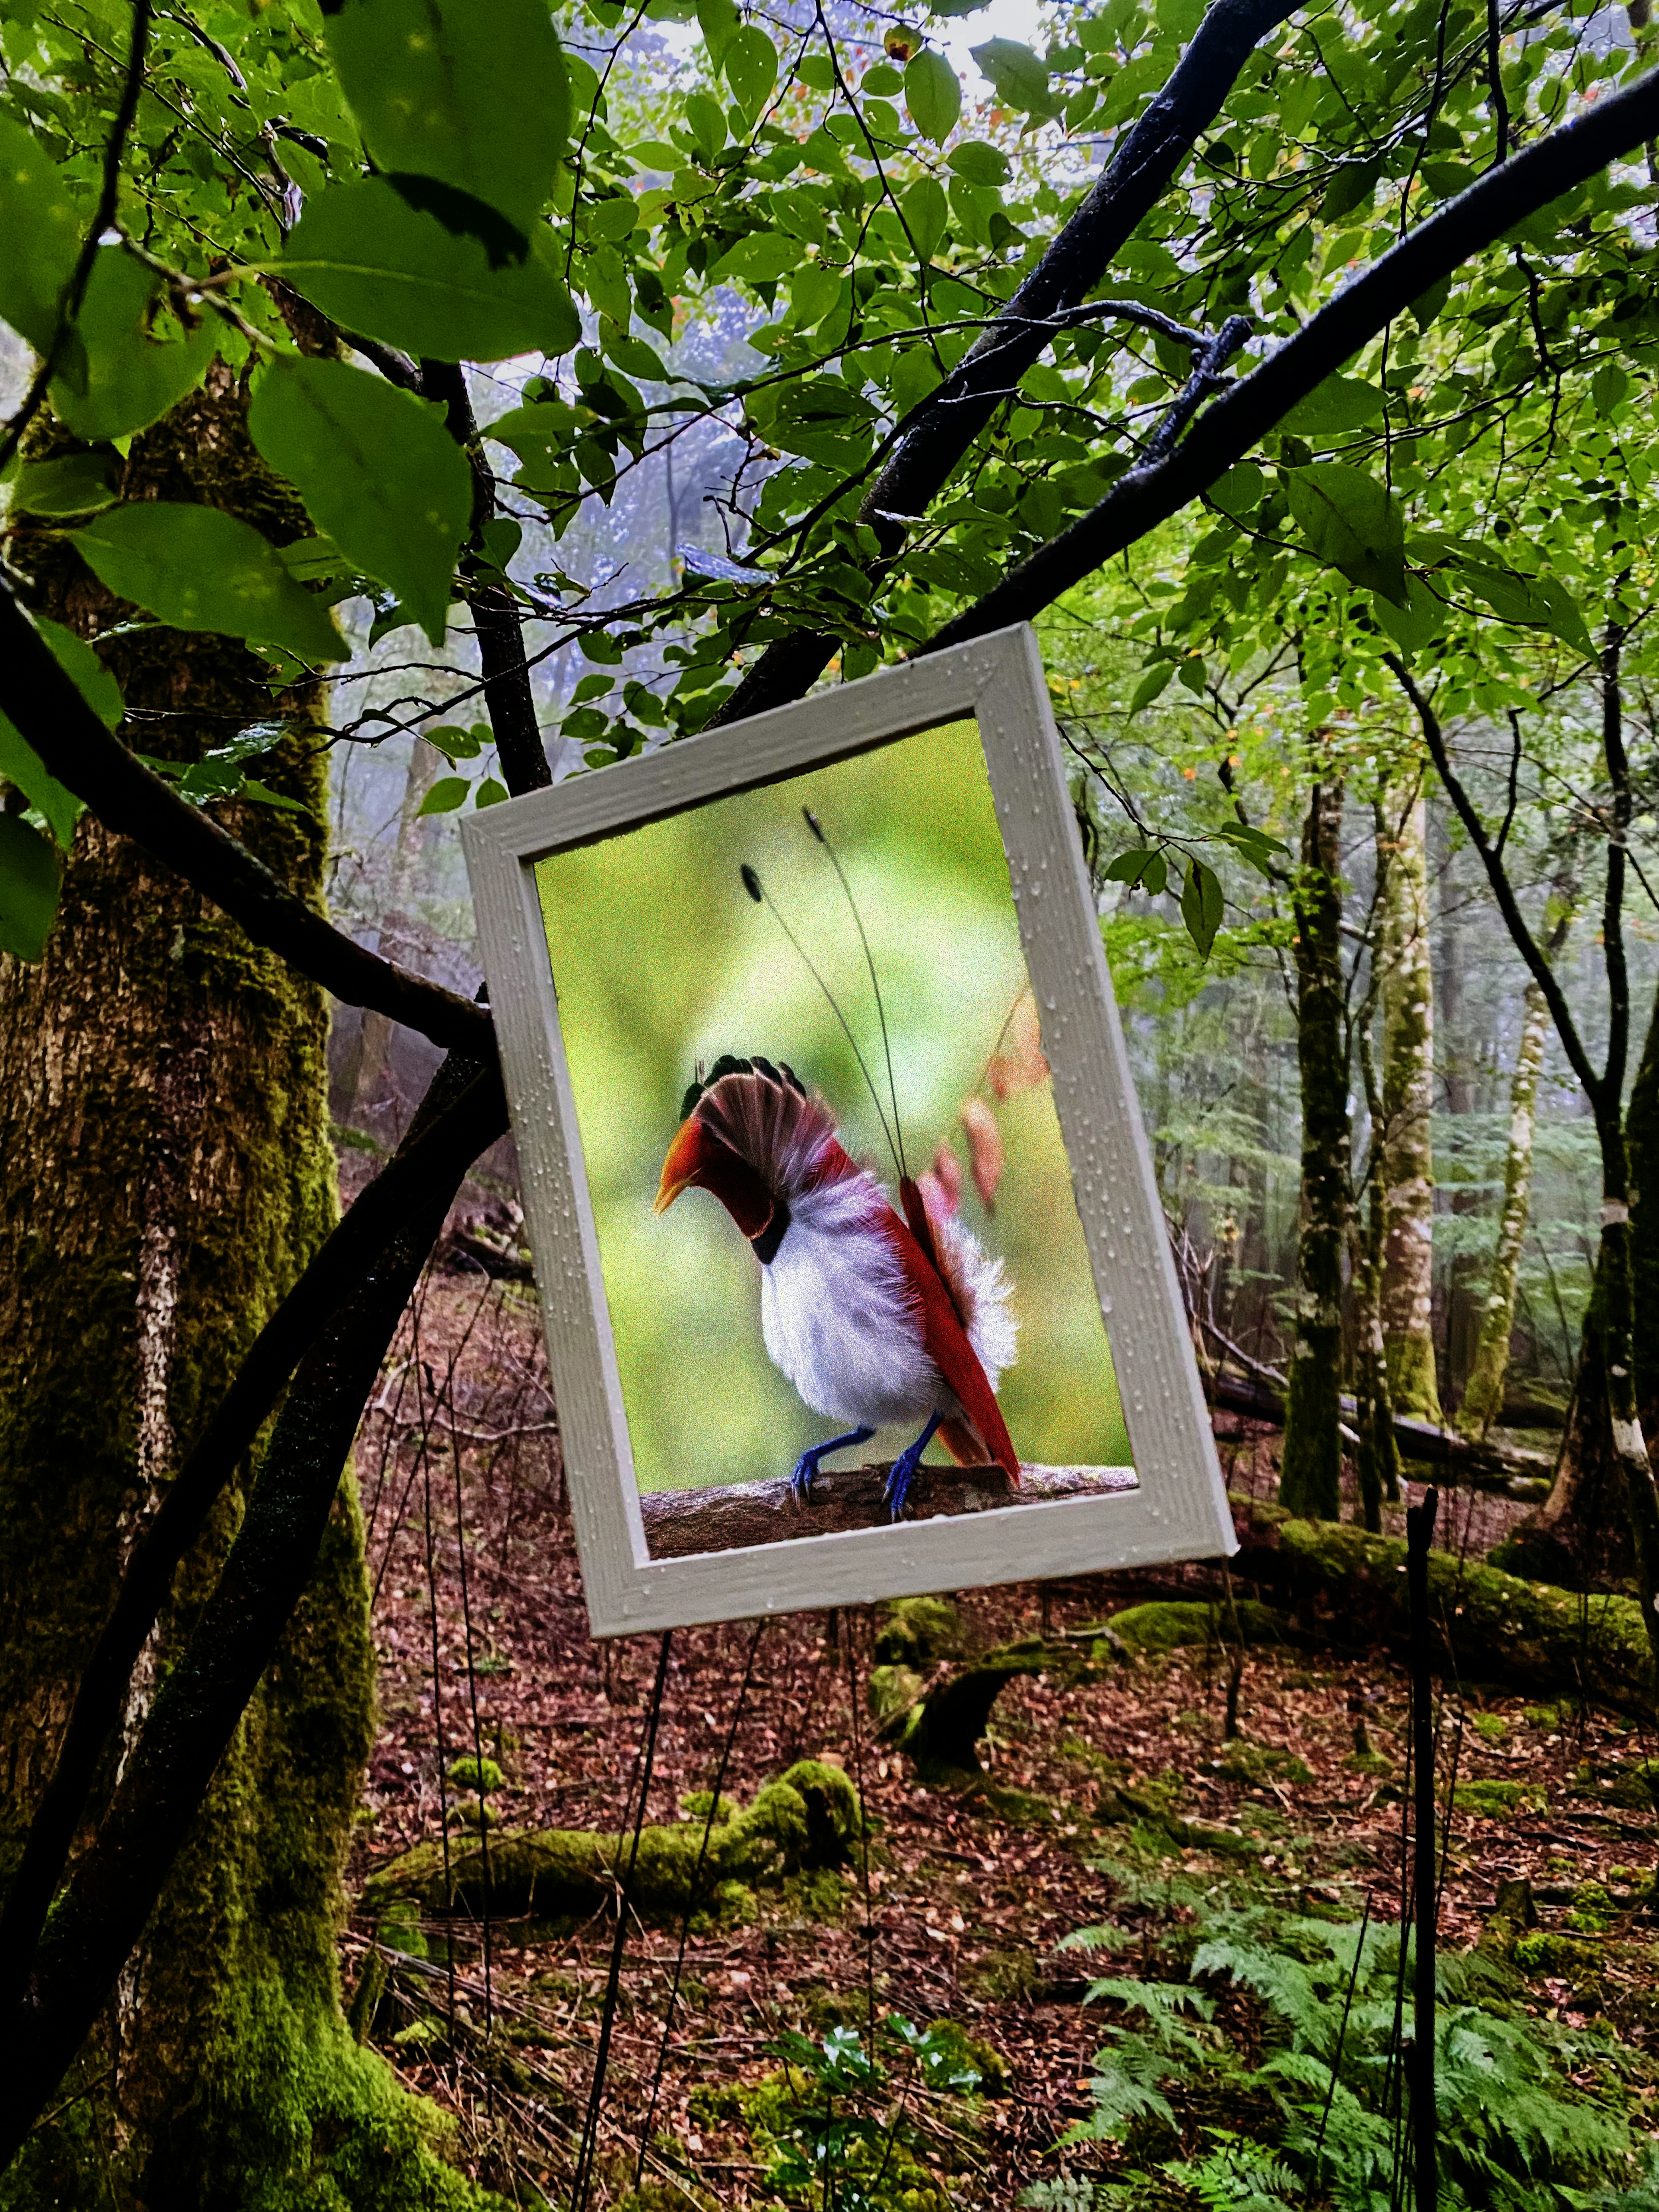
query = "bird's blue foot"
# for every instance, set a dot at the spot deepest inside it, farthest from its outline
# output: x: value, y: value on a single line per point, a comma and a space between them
x: 801, y: 1482
x: 904, y: 1468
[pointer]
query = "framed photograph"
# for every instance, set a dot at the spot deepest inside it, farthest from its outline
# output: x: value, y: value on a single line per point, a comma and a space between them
x: 854, y: 1276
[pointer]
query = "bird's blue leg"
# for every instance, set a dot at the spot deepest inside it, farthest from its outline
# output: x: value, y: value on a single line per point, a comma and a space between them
x: 807, y: 1464
x: 904, y: 1468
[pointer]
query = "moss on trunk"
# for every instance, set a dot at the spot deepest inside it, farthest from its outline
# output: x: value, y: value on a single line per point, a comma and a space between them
x: 1310, y: 1472
x: 808, y: 1818
x: 1408, y: 1156
x: 165, y: 1172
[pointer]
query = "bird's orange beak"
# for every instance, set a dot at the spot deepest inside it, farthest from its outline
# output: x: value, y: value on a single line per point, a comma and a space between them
x: 698, y: 1157
x: 689, y: 1156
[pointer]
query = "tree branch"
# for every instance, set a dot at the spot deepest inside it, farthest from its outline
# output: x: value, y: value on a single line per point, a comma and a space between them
x: 116, y: 1881
x: 508, y: 698
x: 1078, y: 258
x: 1230, y: 425
x: 1503, y: 890
x: 126, y: 797
x: 434, y: 1155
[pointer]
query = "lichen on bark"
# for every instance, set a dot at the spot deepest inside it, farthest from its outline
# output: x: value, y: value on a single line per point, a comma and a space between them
x: 1483, y: 1395
x: 1407, y: 1151
x: 166, y: 1174
x: 1310, y: 1471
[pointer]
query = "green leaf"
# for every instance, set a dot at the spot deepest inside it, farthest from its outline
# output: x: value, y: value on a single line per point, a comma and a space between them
x: 1417, y: 623
x: 1200, y: 906
x: 1534, y: 602
x: 251, y: 788
x: 719, y: 21
x: 378, y: 471
x: 193, y: 569
x: 21, y: 764
x: 374, y: 264
x: 1607, y: 387
x: 138, y: 362
x: 750, y: 63
x: 471, y: 92
x: 490, y: 793
x: 85, y: 670
x: 1153, y: 683
x: 1129, y: 867
x: 1341, y: 403
x: 1237, y: 490
x: 1427, y: 305
x: 976, y: 163
x: 1352, y: 525
x: 448, y: 794
x: 1017, y: 76
x: 76, y: 483
x: 932, y: 93
x: 1352, y: 187
x: 1253, y: 845
x: 30, y: 879
x: 457, y: 743
x: 926, y: 212
x: 43, y: 225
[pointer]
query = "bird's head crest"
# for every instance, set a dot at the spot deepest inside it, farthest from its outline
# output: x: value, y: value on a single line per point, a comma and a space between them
x: 778, y: 1072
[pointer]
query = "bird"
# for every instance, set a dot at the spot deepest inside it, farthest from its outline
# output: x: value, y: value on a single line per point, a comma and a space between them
x: 877, y: 1317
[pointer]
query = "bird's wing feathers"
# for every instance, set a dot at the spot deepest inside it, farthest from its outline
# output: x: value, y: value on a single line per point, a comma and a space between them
x: 945, y: 1342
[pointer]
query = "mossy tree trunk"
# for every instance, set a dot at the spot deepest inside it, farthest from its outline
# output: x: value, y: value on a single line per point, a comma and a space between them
x: 1408, y: 1088
x: 165, y: 1171
x: 1483, y: 1396
x: 1311, y: 1473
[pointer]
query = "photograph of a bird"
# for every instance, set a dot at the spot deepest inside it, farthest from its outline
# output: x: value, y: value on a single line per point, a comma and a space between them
x: 877, y: 1318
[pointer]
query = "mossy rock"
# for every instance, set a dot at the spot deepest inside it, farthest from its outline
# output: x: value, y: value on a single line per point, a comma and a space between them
x: 472, y: 1773
x: 1498, y: 1800
x: 1568, y: 1958
x: 891, y: 1692
x: 1490, y: 1728
x: 1252, y: 1763
x: 1170, y: 1623
x: 916, y: 1631
x: 1631, y: 1788
x: 1368, y: 1762
x: 1502, y: 1629
x: 807, y: 1818
x: 1004, y: 1977
x: 1593, y: 1909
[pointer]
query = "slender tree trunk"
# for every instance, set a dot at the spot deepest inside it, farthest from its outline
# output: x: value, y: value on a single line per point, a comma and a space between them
x: 1482, y: 1398
x: 1457, y: 1071
x: 1310, y: 1475
x: 397, y: 930
x: 164, y: 1173
x: 1407, y: 1166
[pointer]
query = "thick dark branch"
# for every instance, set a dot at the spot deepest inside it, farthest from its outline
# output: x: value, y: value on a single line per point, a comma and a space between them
x: 1503, y: 890
x: 432, y: 1156
x: 1074, y: 264
x: 126, y: 797
x: 116, y: 1881
x: 507, y: 695
x: 1129, y: 188
x: 1231, y: 426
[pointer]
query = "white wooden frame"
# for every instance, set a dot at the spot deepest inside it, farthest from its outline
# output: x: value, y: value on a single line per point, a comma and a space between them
x: 1178, y: 1507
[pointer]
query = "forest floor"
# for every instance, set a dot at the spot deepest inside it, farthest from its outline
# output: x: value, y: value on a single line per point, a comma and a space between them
x: 970, y: 1896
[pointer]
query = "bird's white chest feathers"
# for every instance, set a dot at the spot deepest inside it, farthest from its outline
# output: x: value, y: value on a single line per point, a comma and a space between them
x: 839, y: 1319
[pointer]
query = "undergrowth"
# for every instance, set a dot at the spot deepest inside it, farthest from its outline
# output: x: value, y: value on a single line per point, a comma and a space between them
x: 1257, y: 2063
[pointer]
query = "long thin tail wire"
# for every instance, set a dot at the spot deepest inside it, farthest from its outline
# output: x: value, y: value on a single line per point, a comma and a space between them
x: 822, y: 836
x: 757, y: 889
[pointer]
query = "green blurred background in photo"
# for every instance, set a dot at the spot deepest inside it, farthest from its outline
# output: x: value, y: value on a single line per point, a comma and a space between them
x: 661, y: 961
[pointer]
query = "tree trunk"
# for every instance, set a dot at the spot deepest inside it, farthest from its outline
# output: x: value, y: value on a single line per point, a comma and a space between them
x: 1407, y: 1168
x: 1310, y: 1472
x: 372, y: 1056
x: 164, y: 1173
x: 1483, y: 1398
